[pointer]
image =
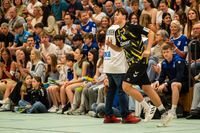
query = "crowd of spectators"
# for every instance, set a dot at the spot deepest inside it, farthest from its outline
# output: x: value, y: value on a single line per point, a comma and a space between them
x: 52, y: 51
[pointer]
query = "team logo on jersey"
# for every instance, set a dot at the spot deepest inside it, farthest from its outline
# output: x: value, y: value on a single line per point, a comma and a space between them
x: 135, y: 74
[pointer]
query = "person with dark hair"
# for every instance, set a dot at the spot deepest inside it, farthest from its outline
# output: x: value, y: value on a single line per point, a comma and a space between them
x: 37, y: 102
x: 2, y: 17
x: 98, y: 14
x: 46, y: 8
x: 166, y: 22
x: 77, y: 42
x: 150, y: 9
x: 62, y: 48
x: 128, y: 38
x: 74, y: 7
x: 135, y: 8
x: 133, y: 18
x: 163, y: 9
x: 69, y: 29
x: 6, y: 37
x: 181, y: 5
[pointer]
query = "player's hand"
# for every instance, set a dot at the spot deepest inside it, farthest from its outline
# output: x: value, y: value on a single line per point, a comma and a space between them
x: 108, y: 42
x: 146, y: 53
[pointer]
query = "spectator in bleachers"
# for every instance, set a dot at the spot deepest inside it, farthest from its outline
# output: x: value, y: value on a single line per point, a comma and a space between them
x: 2, y: 18
x: 105, y: 22
x: 30, y: 7
x: 80, y: 70
x: 46, y: 47
x: 29, y: 26
x: 194, y: 50
x: 77, y: 42
x: 6, y: 38
x: 192, y: 17
x: 6, y: 66
x: 180, y: 5
x: 37, y: 102
x: 195, y: 107
x: 20, y: 7
x: 78, y: 100
x: 193, y: 4
x: 65, y: 69
x: 120, y: 4
x: 86, y: 26
x: 51, y: 76
x: 155, y: 59
x: 30, y: 44
x: 19, y: 71
x: 86, y: 6
x: 46, y: 8
x: 179, y: 41
x: 133, y: 18
x: 20, y: 37
x: 37, y: 67
x: 135, y: 7
x: 181, y: 17
x: 14, y: 19
x: 163, y: 8
x: 89, y: 93
x: 145, y: 21
x: 166, y: 21
x: 109, y: 8
x: 89, y: 43
x: 98, y: 14
x: 62, y: 48
x: 5, y: 7
x: 175, y: 70
x: 59, y: 8
x: 18, y: 92
x: 69, y: 29
x: 37, y: 15
x: 21, y: 65
x: 38, y: 29
x: 150, y: 9
x: 75, y: 7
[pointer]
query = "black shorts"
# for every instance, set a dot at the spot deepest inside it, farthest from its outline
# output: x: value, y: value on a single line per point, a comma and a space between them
x: 137, y: 75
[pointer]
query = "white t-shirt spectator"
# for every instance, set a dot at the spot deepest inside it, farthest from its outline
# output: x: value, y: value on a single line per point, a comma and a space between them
x: 49, y: 50
x: 114, y: 61
x: 64, y: 50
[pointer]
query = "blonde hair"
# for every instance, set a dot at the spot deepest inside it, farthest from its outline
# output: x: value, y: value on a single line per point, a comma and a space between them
x: 178, y: 24
x: 145, y: 20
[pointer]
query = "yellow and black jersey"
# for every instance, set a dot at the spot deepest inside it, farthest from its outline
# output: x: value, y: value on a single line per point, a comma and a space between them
x: 129, y: 37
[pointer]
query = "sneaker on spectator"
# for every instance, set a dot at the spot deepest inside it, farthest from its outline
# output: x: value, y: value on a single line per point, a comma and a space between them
x: 131, y: 119
x: 165, y: 119
x: 149, y: 113
x: 2, y: 102
x: 92, y: 113
x: 53, y: 109
x: 79, y: 111
x: 69, y: 112
x: 5, y: 107
x: 111, y: 119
